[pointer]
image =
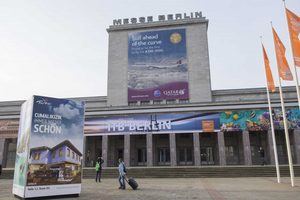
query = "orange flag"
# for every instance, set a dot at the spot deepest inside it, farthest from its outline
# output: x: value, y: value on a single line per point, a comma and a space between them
x: 270, y: 81
x: 282, y: 64
x: 294, y: 29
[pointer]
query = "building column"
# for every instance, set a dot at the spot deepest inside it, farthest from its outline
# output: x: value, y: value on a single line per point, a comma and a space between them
x: 105, y: 150
x: 296, y: 138
x: 149, y: 143
x: 271, y: 148
x: 196, y: 141
x: 246, y: 147
x: 221, y: 148
x: 2, y: 153
x: 173, y: 158
x: 127, y: 149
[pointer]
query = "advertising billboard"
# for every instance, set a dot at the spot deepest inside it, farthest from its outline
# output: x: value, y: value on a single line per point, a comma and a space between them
x: 154, y: 123
x: 258, y: 120
x: 49, y: 148
x: 157, y: 65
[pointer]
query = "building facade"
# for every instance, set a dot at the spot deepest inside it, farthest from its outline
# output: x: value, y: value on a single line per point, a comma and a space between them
x: 160, y: 109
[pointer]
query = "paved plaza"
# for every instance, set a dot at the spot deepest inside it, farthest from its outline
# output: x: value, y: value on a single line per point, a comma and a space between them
x: 200, y: 188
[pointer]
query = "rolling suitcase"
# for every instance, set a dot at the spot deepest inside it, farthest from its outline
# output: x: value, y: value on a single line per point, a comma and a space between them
x: 133, y: 184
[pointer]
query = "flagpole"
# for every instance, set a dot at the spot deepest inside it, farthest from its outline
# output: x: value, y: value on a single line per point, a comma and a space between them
x: 287, y: 139
x: 286, y: 131
x: 271, y: 122
x: 295, y: 69
x: 273, y: 137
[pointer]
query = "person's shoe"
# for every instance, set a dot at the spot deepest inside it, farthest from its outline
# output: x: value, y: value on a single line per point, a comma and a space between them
x: 120, y: 187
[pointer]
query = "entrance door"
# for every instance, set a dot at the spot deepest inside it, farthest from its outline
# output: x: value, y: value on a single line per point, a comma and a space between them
x: 232, y: 155
x: 185, y: 156
x: 163, y: 156
x: 142, y: 156
x: 255, y: 155
x: 207, y: 156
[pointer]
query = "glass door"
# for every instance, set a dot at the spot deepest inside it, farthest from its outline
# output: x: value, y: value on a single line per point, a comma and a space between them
x: 142, y: 156
x: 185, y: 156
x: 207, y: 156
x: 163, y: 156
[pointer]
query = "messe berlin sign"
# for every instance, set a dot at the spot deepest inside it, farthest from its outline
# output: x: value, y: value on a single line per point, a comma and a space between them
x: 148, y: 19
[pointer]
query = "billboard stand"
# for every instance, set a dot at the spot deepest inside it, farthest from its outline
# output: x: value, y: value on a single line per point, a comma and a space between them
x: 49, y: 148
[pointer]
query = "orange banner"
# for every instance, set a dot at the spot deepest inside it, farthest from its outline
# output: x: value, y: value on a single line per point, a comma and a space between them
x: 294, y: 29
x: 282, y: 64
x: 270, y: 81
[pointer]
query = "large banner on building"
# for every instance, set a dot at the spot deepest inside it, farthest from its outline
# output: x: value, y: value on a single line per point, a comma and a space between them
x: 258, y: 120
x: 154, y: 123
x: 49, y: 148
x: 157, y: 65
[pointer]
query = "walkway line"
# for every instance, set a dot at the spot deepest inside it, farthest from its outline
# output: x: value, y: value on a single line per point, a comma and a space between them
x: 213, y: 193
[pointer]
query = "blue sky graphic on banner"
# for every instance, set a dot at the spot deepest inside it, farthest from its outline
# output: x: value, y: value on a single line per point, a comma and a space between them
x: 54, y: 120
x: 157, y: 65
x: 159, y: 123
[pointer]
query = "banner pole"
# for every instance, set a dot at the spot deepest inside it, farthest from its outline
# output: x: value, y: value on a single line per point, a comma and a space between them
x: 271, y: 117
x: 287, y: 139
x: 273, y: 138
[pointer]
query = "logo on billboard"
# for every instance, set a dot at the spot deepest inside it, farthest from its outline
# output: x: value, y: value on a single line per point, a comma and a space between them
x: 174, y: 92
x: 208, y: 126
x: 175, y: 38
x: 42, y: 102
x: 157, y: 93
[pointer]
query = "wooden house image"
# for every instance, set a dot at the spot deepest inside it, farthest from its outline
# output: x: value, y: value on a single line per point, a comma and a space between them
x: 59, y: 164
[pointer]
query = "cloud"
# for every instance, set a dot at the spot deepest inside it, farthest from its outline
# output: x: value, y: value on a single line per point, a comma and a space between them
x: 66, y: 110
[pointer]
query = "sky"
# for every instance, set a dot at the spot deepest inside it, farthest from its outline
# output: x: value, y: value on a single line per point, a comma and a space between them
x: 59, y: 48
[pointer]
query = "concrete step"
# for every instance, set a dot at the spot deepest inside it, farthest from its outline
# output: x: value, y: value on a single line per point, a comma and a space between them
x: 185, y: 172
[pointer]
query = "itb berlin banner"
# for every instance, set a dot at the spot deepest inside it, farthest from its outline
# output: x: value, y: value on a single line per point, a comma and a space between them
x: 157, y: 65
x: 153, y: 123
x: 49, y: 148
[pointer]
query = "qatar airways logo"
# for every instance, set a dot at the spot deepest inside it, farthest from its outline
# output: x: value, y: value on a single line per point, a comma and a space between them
x: 174, y: 92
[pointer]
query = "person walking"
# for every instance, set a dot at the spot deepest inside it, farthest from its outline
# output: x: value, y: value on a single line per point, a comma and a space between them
x: 262, y: 156
x: 122, y: 174
x: 100, y: 161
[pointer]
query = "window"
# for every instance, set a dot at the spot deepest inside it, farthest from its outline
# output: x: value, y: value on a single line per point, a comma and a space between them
x: 133, y: 103
x: 157, y: 102
x: 53, y: 154
x: 36, y: 156
x: 73, y: 155
x: 171, y: 101
x: 145, y: 102
x: 60, y: 153
x: 68, y: 152
x: 229, y: 151
x: 183, y: 101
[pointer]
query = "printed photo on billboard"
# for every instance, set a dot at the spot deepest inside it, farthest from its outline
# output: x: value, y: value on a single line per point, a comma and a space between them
x: 157, y: 65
